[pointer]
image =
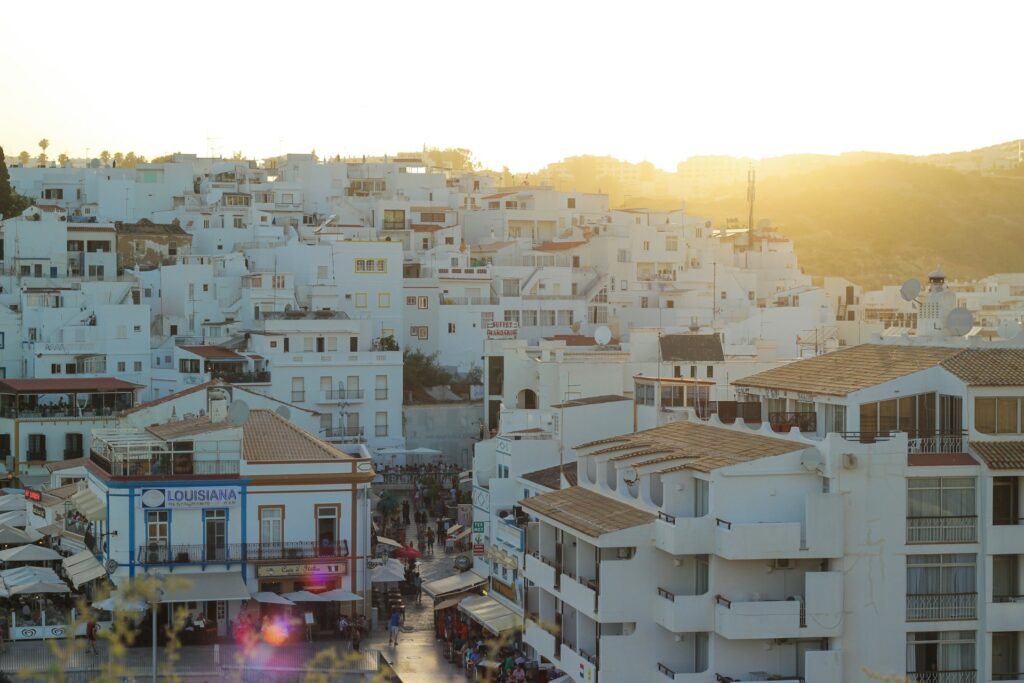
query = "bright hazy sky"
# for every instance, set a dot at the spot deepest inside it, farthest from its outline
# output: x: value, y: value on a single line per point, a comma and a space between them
x: 519, y: 83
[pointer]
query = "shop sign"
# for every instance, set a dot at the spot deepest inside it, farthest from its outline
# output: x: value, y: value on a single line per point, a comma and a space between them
x: 478, y: 548
x: 502, y: 329
x: 269, y: 571
x: 39, y: 511
x: 186, y: 497
x: 33, y: 495
x: 506, y: 591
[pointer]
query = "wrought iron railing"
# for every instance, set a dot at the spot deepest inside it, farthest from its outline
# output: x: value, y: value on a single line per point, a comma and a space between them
x: 942, y: 606
x: 806, y: 422
x: 959, y: 676
x: 164, y: 465
x: 937, y: 443
x: 343, y: 394
x: 961, y: 529
x: 159, y: 553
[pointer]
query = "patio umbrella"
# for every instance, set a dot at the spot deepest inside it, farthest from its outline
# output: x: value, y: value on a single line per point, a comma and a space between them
x: 339, y: 595
x: 115, y: 602
x: 9, y: 503
x: 406, y: 553
x: 391, y: 572
x: 14, y: 518
x: 388, y: 541
x: 38, y: 587
x: 28, y: 553
x: 268, y: 598
x: 304, y: 596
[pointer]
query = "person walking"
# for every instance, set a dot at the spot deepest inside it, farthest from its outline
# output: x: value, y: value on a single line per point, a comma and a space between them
x: 430, y: 540
x: 394, y: 626
x: 405, y: 512
x: 90, y: 637
x: 417, y: 581
x: 357, y: 635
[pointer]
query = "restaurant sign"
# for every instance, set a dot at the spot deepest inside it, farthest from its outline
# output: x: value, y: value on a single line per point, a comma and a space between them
x: 502, y: 329
x: 269, y: 571
x: 190, y: 497
x: 479, y: 530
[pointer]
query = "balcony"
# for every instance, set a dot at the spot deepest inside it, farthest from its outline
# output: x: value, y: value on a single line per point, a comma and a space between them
x: 581, y: 594
x: 818, y: 614
x: 820, y: 536
x: 806, y: 422
x: 1004, y: 613
x: 937, y: 443
x: 336, y: 395
x: 1005, y: 539
x: 157, y: 553
x: 241, y: 377
x: 345, y: 434
x: 469, y: 301
x: 942, y: 606
x: 170, y: 465
x: 541, y: 572
x: 685, y: 613
x: 963, y: 529
x: 684, y: 535
x: 540, y: 640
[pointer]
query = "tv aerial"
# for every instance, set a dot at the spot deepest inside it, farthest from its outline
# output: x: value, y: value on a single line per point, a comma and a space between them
x: 284, y: 411
x: 959, y: 322
x: 238, y: 413
x: 1009, y: 329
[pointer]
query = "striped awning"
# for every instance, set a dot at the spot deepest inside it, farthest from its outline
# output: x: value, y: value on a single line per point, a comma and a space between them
x: 83, y: 567
x: 90, y: 505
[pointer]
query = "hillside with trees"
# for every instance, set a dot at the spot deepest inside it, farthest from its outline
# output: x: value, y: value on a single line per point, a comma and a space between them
x: 885, y: 221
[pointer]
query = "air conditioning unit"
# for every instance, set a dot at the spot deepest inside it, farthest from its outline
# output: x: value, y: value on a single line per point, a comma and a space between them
x: 782, y: 564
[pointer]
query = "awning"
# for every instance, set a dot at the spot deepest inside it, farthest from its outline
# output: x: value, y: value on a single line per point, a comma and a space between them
x: 10, y: 502
x: 452, y: 601
x: 116, y: 602
x: 51, y: 529
x: 12, y: 536
x: 388, y: 541
x: 490, y: 614
x: 391, y: 572
x: 339, y: 595
x: 466, y: 581
x: 461, y: 535
x: 304, y: 596
x: 455, y: 529
x: 83, y: 567
x: 15, y: 518
x: 28, y: 553
x: 90, y: 505
x: 271, y: 598
x: 206, y: 586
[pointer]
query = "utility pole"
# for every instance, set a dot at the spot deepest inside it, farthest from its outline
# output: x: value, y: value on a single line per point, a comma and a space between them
x: 750, y: 207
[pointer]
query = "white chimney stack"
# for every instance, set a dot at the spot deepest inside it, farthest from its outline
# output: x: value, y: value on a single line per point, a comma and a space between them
x: 218, y: 400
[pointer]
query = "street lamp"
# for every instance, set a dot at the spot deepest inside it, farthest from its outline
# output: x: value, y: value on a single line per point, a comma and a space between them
x: 153, y: 609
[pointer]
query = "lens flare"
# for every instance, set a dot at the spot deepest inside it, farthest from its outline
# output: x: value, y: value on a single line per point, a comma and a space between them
x: 276, y: 632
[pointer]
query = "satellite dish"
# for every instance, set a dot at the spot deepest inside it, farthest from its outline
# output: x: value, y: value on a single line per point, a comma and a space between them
x: 1009, y: 329
x: 238, y: 413
x: 284, y: 411
x: 602, y: 335
x: 959, y: 322
x: 910, y: 289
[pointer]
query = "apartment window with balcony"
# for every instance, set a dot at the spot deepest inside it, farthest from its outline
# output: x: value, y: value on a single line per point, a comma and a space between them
x: 298, y: 390
x: 997, y: 415
x: 941, y: 510
x: 394, y: 219
x: 1005, y: 578
x: 941, y: 587
x: 941, y: 657
x: 381, y: 424
x: 1005, y: 656
x: 381, y: 388
x: 158, y: 524
x: 271, y: 525
x: 215, y: 533
x: 188, y: 365
x: 327, y: 520
x: 1006, y: 500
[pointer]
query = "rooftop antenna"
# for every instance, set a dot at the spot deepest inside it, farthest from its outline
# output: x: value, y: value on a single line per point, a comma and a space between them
x: 238, y: 413
x: 959, y: 322
x: 750, y: 207
x: 910, y: 290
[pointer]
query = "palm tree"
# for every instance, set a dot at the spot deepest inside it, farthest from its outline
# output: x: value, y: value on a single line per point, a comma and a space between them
x: 63, y: 159
x: 24, y: 158
x: 105, y: 157
x: 43, y: 144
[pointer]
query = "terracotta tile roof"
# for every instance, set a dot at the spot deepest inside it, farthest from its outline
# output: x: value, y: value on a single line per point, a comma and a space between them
x: 1000, y: 455
x: 192, y: 426
x: 586, y: 511
x: 703, y: 447
x: 213, y: 352
x: 50, y: 208
x: 148, y: 227
x: 558, y: 246
x: 699, y: 348
x: 429, y: 227
x: 988, y: 367
x: 58, y: 465
x: 170, y: 397
x: 499, y: 195
x: 267, y: 437
x: 574, y: 339
x: 841, y: 372
x: 65, y: 384
x: 591, y: 400
x: 551, y: 477
x: 940, y: 459
x: 488, y: 248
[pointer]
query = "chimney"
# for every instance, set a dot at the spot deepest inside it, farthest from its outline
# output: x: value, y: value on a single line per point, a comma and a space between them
x: 218, y: 400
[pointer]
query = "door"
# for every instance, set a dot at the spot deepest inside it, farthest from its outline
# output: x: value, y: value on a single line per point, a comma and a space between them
x: 215, y: 534
x: 1004, y: 655
x: 802, y: 648
x: 1004, y: 578
x: 157, y: 527
x: 700, y: 584
x: 327, y: 530
x: 1004, y: 500
x: 72, y: 445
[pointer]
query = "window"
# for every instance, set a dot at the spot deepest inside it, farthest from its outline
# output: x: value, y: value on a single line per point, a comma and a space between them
x: 54, y: 368
x: 997, y: 415
x: 236, y: 222
x: 486, y: 319
x: 547, y: 318
x: 432, y: 217
x: 353, y: 344
x: 271, y: 526
x: 418, y: 331
x: 565, y: 317
x: 451, y: 328
x: 529, y: 319
x: 645, y: 394
x: 327, y: 530
x: 285, y: 344
x: 381, y: 392
x: 509, y: 287
x: 423, y: 302
x: 383, y: 299
x: 56, y: 193
x: 647, y: 245
x: 236, y: 200
x: 512, y: 317
x: 298, y: 390
x: 121, y: 332
x: 360, y: 299
x: 215, y: 532
x: 277, y: 281
x: 138, y: 366
x: 644, y: 302
x: 332, y: 344
x: 941, y: 587
x: 931, y: 653
x: 157, y: 532
x: 941, y: 510
x: 188, y: 365
x: 394, y: 219
x: 321, y: 344
x: 36, y: 447
x: 307, y: 344
x: 371, y: 265
x: 381, y: 424
x: 672, y: 243
x: 423, y: 333
x: 570, y: 203
x: 121, y: 366
x: 410, y: 301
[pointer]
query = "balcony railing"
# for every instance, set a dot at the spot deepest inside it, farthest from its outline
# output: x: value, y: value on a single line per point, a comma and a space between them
x: 380, y: 394
x: 158, y: 553
x: 343, y: 394
x: 942, y: 606
x: 258, y: 377
x: 163, y: 465
x: 866, y: 437
x: 665, y: 670
x: 960, y: 676
x: 1007, y: 676
x: 469, y: 301
x: 938, y: 443
x: 342, y: 432
x: 963, y: 529
x: 782, y: 422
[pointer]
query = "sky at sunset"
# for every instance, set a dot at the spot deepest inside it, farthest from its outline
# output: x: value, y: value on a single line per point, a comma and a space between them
x: 521, y: 84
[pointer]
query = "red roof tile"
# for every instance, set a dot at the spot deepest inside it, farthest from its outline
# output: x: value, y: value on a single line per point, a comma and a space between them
x: 213, y: 352
x: 558, y: 246
x: 573, y: 339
